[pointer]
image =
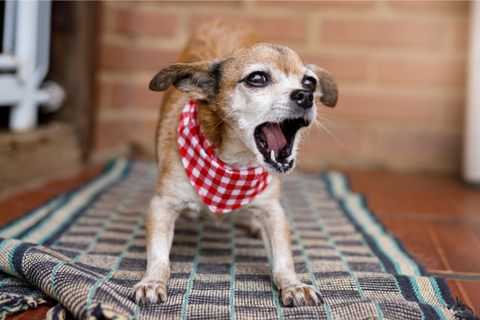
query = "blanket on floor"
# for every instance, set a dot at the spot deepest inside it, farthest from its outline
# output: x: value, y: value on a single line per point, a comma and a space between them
x: 84, y: 250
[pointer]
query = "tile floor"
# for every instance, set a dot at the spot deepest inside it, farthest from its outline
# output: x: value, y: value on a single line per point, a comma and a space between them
x: 437, y: 217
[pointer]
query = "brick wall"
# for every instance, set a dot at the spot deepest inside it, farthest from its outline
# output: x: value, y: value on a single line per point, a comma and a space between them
x: 400, y: 67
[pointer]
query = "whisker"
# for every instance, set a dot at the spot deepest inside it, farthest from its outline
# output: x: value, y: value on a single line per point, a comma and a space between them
x: 325, y: 128
x: 324, y: 116
x: 299, y: 164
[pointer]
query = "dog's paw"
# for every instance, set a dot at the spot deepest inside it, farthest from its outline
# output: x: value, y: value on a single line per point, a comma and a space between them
x: 300, y: 294
x: 148, y: 292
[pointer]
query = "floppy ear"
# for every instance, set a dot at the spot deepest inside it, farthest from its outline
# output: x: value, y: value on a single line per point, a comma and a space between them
x: 327, y: 86
x: 200, y: 80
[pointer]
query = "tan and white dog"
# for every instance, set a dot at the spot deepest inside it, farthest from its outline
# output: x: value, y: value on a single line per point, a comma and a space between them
x: 254, y: 100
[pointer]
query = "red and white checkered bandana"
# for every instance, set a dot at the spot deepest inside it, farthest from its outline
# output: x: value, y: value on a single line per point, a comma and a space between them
x: 221, y: 187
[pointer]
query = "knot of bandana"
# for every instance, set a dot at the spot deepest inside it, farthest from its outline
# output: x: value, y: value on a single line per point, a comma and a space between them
x: 221, y: 187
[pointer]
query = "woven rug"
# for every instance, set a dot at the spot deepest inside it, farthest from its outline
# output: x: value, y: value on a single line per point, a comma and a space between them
x: 85, y: 249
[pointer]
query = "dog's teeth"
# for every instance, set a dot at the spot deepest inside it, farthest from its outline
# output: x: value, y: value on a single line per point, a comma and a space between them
x: 290, y: 157
x: 272, y: 156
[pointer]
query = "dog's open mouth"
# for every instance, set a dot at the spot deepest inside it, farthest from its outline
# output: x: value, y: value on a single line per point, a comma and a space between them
x: 275, y: 142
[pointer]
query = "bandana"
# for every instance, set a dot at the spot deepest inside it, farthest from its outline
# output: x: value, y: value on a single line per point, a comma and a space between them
x: 221, y: 187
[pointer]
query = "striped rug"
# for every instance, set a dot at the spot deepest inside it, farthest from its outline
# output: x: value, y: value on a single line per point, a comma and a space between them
x: 85, y: 249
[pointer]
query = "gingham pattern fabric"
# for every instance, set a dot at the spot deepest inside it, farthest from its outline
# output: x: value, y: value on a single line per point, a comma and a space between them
x: 221, y: 187
x: 84, y: 250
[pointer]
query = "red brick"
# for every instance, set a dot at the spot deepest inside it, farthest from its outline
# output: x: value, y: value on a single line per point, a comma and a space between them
x: 110, y: 133
x: 317, y: 4
x: 340, y: 140
x: 453, y: 110
x: 104, y: 94
x: 433, y: 71
x: 430, y: 6
x: 113, y: 95
x: 269, y: 28
x: 113, y: 56
x: 123, y: 20
x: 106, y: 16
x: 280, y: 28
x: 336, y: 148
x: 383, y: 32
x: 461, y: 33
x: 143, y: 97
x: 121, y: 95
x: 416, y: 144
x: 203, y: 4
x: 118, y: 94
x: 364, y: 115
x: 142, y: 134
x: 154, y: 59
x: 155, y: 23
x: 342, y: 66
x: 384, y: 105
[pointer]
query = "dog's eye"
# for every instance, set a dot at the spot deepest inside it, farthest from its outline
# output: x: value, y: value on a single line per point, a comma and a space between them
x: 309, y: 83
x: 257, y: 79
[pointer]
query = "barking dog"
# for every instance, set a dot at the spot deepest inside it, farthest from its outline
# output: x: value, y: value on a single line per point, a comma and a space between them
x: 229, y: 126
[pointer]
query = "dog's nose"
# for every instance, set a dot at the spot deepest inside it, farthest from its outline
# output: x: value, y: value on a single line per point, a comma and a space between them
x: 303, y: 98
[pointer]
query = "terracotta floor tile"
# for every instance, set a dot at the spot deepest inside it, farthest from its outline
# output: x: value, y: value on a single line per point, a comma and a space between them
x: 457, y: 291
x: 475, y: 231
x: 67, y: 184
x: 10, y: 208
x: 416, y: 194
x: 417, y: 240
x: 31, y: 198
x: 460, y: 247
x: 437, y: 217
x: 472, y: 291
x: 38, y: 313
x: 16, y: 206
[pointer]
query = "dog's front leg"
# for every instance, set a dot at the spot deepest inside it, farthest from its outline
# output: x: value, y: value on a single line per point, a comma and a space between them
x: 276, y: 237
x: 159, y: 226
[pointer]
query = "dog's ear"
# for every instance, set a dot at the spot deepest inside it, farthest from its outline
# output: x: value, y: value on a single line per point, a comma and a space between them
x: 327, y: 89
x: 200, y: 80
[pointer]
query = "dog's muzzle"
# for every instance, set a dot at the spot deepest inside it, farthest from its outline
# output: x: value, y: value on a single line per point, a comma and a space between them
x: 275, y: 142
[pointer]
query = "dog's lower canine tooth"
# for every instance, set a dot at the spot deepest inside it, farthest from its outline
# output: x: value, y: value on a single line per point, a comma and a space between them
x: 272, y: 156
x: 290, y: 158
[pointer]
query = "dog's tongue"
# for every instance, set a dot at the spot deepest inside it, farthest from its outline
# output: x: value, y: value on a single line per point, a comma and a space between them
x: 274, y: 136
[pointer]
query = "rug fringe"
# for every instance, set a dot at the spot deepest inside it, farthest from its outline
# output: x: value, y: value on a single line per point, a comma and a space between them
x: 57, y: 313
x: 100, y: 313
x: 11, y: 303
x: 464, y: 312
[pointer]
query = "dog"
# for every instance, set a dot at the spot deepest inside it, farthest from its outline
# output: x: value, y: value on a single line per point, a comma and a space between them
x: 237, y: 105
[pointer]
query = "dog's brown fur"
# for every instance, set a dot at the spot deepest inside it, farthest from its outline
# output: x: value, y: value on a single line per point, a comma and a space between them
x: 211, y: 79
